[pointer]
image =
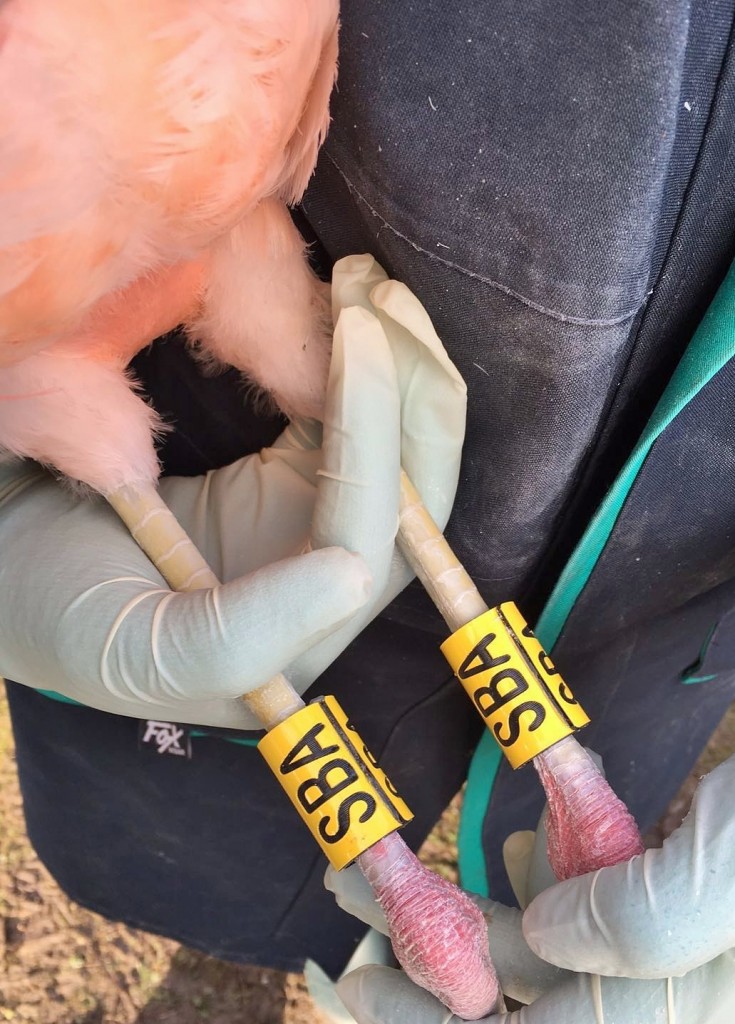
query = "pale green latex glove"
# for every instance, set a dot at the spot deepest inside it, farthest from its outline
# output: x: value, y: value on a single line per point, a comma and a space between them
x: 656, y: 936
x: 660, y: 929
x: 84, y: 613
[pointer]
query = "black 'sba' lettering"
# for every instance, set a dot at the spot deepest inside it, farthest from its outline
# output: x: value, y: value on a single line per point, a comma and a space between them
x: 366, y: 752
x: 306, y: 751
x: 514, y: 722
x: 566, y: 694
x: 489, y: 699
x: 390, y: 787
x: 480, y: 659
x: 343, y: 816
x: 315, y: 792
x: 547, y: 664
x: 544, y: 660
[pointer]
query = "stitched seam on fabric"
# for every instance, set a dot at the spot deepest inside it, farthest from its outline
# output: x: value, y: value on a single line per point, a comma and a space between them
x: 713, y: 196
x: 579, y: 569
x: 605, y: 416
x: 536, y: 306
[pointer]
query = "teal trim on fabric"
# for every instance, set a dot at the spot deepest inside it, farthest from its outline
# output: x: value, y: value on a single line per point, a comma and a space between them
x: 244, y: 742
x: 53, y: 695
x: 480, y: 781
x: 711, y: 347
x: 689, y: 675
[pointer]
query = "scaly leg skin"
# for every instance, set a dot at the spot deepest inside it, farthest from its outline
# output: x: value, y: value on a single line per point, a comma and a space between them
x: 438, y: 934
x: 155, y: 528
x: 265, y: 311
x: 588, y: 827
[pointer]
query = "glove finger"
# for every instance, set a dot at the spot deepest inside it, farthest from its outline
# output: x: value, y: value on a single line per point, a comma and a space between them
x: 353, y: 279
x: 86, y: 614
x: 432, y: 391
x: 357, y: 494
x: 522, y: 975
x: 527, y: 863
x: 517, y: 852
x: 357, y: 500
x: 434, y: 398
x: 353, y: 894
x: 706, y: 996
x: 432, y: 426
x: 540, y: 872
x: 162, y: 647
x: 249, y: 514
x: 300, y: 435
x: 382, y: 995
x: 663, y: 913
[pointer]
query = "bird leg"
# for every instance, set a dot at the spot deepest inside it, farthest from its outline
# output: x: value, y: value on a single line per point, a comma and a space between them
x: 154, y: 527
x: 106, y: 439
x: 438, y: 934
x: 265, y: 311
x: 81, y: 382
x: 588, y: 825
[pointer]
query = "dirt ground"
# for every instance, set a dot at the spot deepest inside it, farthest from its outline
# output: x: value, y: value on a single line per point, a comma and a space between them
x: 60, y: 964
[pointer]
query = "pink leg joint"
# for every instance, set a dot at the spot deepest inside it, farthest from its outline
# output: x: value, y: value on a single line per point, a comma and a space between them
x: 588, y: 827
x: 439, y: 936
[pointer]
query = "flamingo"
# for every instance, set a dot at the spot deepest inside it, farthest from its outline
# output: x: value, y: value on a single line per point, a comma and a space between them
x: 146, y: 166
x: 147, y: 161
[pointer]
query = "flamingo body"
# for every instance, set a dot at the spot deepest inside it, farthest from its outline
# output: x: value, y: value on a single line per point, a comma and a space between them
x: 145, y: 165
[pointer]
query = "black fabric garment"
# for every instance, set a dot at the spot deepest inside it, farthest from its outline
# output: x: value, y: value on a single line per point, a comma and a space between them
x: 554, y: 186
x: 694, y: 249
x: 661, y: 597
x: 650, y: 645
x: 531, y: 211
x: 210, y: 852
x: 213, y: 417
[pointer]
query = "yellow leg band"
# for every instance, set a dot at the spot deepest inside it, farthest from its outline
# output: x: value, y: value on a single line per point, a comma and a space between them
x: 513, y: 683
x: 333, y: 781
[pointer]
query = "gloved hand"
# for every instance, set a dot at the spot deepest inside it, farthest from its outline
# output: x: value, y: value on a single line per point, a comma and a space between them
x: 661, y: 928
x: 656, y: 936
x: 84, y: 613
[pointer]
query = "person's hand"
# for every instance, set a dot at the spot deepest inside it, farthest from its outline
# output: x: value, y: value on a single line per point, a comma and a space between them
x: 659, y: 929
x: 642, y: 943
x: 302, y: 536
